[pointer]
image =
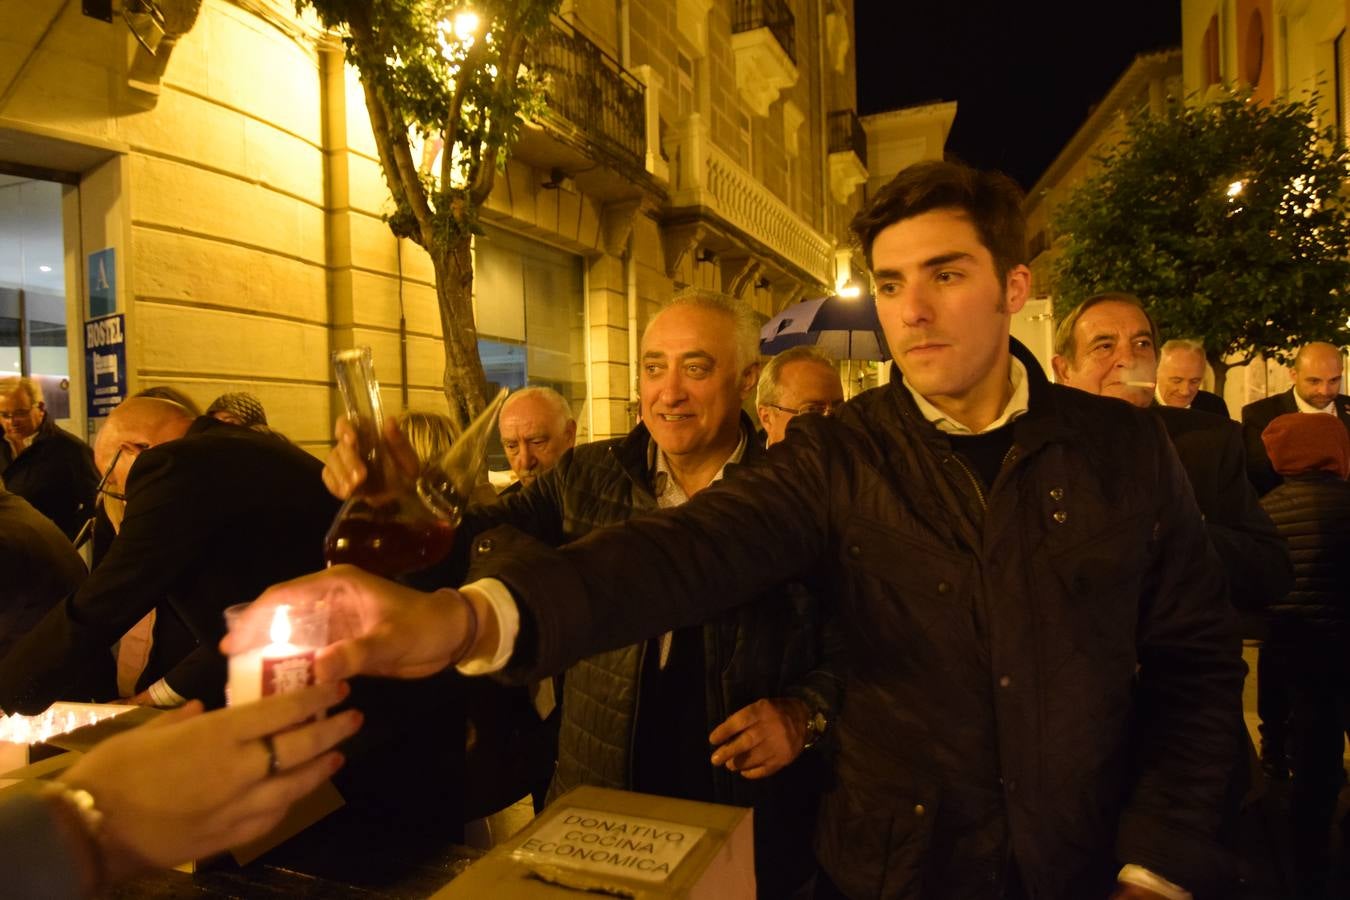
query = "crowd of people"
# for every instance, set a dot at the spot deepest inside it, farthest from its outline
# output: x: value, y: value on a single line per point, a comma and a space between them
x: 972, y: 634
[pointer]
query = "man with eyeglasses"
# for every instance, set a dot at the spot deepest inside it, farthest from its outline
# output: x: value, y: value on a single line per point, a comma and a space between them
x: 206, y: 514
x: 798, y: 381
x: 47, y: 466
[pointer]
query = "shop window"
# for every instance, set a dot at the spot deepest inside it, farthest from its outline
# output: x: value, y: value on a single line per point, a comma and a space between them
x: 1253, y: 55
x: 530, y: 316
x: 32, y: 288
x: 1210, y: 56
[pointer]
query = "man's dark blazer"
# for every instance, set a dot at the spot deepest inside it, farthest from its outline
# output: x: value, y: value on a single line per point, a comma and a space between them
x: 1209, y: 403
x: 212, y: 519
x: 39, y: 566
x: 1255, y: 558
x: 56, y: 474
x: 1260, y: 413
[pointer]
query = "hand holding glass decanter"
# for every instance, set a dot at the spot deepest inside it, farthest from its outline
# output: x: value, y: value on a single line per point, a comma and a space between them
x: 395, y: 522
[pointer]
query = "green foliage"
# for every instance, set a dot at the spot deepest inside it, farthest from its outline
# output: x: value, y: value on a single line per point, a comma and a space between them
x: 462, y: 91
x: 1227, y: 219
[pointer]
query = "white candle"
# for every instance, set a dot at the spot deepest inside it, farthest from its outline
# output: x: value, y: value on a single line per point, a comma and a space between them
x: 275, y: 668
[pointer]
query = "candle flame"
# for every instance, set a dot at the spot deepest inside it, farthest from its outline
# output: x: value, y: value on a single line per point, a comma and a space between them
x: 281, y: 626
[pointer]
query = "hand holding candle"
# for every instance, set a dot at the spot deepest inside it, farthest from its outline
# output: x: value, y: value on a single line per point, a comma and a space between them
x: 377, y: 627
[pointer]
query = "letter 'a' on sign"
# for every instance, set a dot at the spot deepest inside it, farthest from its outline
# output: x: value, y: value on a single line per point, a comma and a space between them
x: 609, y: 843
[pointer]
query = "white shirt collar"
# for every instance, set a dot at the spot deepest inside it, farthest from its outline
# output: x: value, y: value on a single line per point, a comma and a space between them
x: 1017, y: 404
x: 668, y: 490
x: 1306, y: 407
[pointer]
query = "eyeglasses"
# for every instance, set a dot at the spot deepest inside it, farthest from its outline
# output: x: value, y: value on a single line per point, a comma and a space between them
x: 16, y: 414
x: 100, y: 488
x: 827, y: 408
x: 87, y: 530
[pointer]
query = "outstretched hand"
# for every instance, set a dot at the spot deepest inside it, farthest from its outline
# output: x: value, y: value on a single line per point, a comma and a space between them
x: 189, y: 785
x: 375, y: 626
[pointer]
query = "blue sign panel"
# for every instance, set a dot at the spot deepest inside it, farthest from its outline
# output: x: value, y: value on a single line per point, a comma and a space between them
x: 105, y: 364
x: 102, y: 283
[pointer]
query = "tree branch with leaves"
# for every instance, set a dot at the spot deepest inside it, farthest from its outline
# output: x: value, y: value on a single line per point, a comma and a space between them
x: 450, y: 75
x: 1227, y: 219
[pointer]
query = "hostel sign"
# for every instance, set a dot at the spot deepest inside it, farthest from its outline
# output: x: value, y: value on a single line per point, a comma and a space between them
x: 105, y: 364
x: 609, y: 843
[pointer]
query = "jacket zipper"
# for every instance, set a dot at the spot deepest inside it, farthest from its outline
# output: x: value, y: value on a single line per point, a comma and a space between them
x: 975, y: 482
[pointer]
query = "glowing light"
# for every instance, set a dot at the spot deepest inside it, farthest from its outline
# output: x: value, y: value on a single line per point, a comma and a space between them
x: 466, y: 25
x: 850, y: 292
x: 59, y: 719
x: 44, y: 268
x: 1236, y: 188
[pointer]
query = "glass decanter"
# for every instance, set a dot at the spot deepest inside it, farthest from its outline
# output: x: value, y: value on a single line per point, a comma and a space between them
x: 397, y: 523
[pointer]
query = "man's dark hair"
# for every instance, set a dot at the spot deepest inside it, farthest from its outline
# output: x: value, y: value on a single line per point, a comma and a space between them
x: 991, y: 200
x: 1066, y: 343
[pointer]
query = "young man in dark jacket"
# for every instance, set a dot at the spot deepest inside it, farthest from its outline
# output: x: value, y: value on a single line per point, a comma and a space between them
x: 1310, y: 626
x: 1044, y: 673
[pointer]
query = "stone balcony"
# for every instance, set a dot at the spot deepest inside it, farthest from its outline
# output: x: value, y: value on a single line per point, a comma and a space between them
x: 704, y: 177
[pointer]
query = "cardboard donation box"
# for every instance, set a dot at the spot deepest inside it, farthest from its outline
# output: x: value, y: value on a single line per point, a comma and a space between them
x: 599, y: 842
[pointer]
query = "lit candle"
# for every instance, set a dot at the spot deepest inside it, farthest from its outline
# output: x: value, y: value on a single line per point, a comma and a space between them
x: 275, y: 668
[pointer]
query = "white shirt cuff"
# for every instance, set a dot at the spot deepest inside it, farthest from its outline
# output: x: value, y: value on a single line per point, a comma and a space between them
x: 163, y: 696
x: 498, y: 598
x: 1141, y: 877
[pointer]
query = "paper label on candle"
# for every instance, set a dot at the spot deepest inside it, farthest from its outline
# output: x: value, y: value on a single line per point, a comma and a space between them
x: 611, y: 844
x: 284, y: 674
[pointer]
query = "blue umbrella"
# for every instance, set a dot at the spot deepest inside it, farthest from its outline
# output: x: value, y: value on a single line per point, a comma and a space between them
x: 845, y: 328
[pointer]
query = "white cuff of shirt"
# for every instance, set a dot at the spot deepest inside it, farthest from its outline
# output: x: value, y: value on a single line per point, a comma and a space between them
x: 498, y: 597
x: 1141, y: 877
x: 163, y: 696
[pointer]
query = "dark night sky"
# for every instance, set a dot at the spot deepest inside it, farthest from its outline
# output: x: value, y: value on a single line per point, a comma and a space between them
x: 1024, y: 73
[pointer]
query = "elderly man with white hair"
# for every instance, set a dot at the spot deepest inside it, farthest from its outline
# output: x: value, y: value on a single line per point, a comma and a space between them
x: 536, y: 428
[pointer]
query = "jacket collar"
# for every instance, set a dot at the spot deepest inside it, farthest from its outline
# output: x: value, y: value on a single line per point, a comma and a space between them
x: 631, y: 452
x: 1041, y: 424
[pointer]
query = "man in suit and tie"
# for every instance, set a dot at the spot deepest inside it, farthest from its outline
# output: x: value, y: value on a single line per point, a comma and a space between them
x: 1181, y: 368
x: 1317, y: 376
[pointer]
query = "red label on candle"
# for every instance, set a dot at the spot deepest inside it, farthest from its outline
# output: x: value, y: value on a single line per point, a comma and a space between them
x: 284, y: 674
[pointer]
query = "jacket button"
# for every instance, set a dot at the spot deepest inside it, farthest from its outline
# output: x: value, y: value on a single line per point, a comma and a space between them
x: 1057, y: 493
x: 484, y: 545
x: 944, y: 587
x: 855, y: 551
x: 1060, y: 516
x: 1005, y: 681
x: 919, y: 810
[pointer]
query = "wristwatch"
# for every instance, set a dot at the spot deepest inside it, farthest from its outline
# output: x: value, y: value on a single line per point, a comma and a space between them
x: 816, y: 726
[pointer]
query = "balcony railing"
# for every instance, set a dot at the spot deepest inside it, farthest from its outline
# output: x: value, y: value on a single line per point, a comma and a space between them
x: 774, y: 15
x: 846, y: 134
x: 589, y: 90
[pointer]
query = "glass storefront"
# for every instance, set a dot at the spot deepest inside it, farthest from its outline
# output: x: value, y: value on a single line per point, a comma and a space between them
x: 530, y: 313
x: 33, y: 290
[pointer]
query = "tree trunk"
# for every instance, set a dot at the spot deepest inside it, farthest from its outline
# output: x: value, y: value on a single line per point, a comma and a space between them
x: 464, y: 383
x: 1220, y: 372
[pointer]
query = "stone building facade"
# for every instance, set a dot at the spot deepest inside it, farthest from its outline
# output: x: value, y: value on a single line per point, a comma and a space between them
x: 234, y: 177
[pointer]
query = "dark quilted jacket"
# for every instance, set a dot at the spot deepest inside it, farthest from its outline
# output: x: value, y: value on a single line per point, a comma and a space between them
x: 1047, y: 670
x: 1312, y: 513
